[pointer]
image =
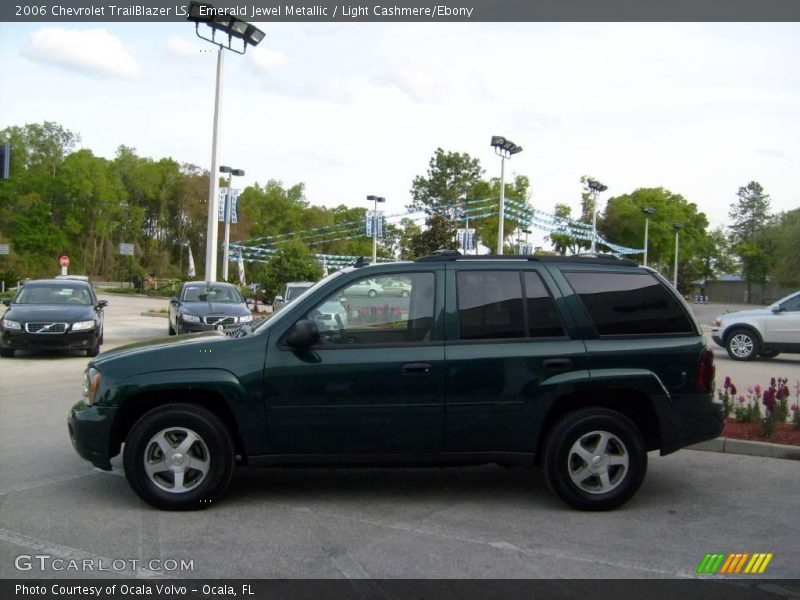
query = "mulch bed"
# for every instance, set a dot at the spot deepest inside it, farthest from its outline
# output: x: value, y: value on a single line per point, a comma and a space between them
x: 785, y: 433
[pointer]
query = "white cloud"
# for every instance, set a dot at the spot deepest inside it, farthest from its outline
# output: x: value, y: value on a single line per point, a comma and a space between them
x: 266, y: 61
x: 184, y: 48
x: 94, y: 52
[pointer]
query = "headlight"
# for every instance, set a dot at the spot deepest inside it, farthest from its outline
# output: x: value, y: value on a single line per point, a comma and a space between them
x: 718, y: 322
x: 91, y: 383
x: 9, y: 324
x: 246, y: 319
x: 82, y: 325
x: 190, y: 318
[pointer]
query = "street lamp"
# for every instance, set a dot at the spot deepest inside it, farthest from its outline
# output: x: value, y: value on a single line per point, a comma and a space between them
x: 375, y: 200
x: 648, y: 211
x: 504, y: 148
x: 677, y: 227
x: 217, y: 21
x: 596, y: 187
x: 527, y: 232
x: 228, y: 207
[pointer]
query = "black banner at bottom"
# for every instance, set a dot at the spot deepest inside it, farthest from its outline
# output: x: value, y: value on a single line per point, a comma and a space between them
x: 402, y: 589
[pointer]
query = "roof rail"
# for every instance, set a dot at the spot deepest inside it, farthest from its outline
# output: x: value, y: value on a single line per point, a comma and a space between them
x: 454, y: 255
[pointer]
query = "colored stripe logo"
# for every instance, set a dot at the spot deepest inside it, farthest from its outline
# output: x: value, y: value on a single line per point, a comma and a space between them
x: 735, y: 564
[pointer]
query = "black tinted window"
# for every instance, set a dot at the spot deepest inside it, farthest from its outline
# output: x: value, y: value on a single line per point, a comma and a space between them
x: 490, y: 305
x: 629, y: 303
x: 543, y: 319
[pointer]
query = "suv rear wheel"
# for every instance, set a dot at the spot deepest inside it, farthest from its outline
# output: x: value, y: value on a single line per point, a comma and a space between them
x: 179, y: 457
x: 742, y: 344
x: 595, y: 459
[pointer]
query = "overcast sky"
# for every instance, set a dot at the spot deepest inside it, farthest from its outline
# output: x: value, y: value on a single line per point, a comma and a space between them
x: 358, y: 109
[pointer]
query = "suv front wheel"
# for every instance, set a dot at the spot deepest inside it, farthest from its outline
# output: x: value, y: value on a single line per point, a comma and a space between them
x: 179, y: 457
x: 595, y: 459
x: 742, y: 344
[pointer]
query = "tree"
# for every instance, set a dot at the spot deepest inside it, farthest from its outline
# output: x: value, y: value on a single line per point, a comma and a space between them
x: 787, y: 247
x: 716, y: 255
x: 564, y: 243
x: 623, y: 223
x: 293, y: 262
x: 409, y: 231
x: 750, y: 215
x: 440, y: 234
x: 451, y: 179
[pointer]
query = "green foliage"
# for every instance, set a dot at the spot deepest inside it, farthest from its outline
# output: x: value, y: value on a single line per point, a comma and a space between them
x: 750, y: 215
x: 438, y: 235
x: 293, y: 262
x: 786, y: 236
x: 451, y: 179
x: 623, y: 221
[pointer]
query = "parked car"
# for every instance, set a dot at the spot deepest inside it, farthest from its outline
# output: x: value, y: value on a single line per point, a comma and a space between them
x: 579, y: 365
x: 395, y: 287
x: 760, y: 332
x: 53, y: 314
x: 370, y: 288
x: 291, y: 291
x: 204, y: 306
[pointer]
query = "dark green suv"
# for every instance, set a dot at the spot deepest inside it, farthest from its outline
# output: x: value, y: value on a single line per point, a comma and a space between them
x: 581, y: 365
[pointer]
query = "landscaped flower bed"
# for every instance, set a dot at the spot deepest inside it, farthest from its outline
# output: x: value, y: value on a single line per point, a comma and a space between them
x: 778, y: 423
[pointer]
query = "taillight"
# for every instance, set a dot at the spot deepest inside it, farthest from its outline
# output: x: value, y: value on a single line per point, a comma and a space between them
x: 706, y: 371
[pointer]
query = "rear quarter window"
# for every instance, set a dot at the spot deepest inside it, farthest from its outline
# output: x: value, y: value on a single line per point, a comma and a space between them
x: 629, y: 303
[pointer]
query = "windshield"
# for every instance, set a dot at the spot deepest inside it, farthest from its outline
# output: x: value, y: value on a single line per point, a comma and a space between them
x: 56, y: 293
x: 212, y: 293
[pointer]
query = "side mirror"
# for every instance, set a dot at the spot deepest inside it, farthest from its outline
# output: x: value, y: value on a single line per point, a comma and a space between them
x: 777, y: 309
x: 278, y: 298
x: 174, y: 300
x: 6, y: 301
x: 305, y: 333
x: 102, y: 303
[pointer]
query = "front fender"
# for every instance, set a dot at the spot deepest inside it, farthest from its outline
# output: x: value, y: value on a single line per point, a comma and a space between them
x: 243, y: 402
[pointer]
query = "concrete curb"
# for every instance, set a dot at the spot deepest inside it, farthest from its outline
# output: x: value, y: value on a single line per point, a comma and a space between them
x: 764, y: 449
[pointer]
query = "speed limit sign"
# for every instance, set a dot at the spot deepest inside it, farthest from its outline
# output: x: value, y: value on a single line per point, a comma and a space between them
x: 64, y: 261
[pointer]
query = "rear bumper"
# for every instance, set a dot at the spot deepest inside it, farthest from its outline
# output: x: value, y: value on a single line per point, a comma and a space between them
x: 90, y: 432
x: 699, y: 417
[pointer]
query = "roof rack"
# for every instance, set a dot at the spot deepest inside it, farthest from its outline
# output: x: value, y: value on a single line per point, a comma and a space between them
x: 605, y: 259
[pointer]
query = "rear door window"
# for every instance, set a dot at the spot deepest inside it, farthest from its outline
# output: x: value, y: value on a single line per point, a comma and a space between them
x: 629, y: 303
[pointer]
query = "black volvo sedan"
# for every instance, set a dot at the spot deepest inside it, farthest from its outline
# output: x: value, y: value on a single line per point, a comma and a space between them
x: 53, y: 314
x: 205, y: 306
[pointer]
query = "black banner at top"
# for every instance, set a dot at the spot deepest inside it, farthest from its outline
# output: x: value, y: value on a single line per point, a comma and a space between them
x: 377, y: 11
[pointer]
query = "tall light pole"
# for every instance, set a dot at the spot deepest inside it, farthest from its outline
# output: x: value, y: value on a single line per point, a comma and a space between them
x: 596, y: 187
x: 677, y: 227
x: 228, y: 207
x: 527, y: 232
x: 648, y: 212
x: 216, y: 20
x: 504, y: 148
x: 375, y: 200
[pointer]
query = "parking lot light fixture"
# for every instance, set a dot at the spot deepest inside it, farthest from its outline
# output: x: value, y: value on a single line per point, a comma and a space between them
x: 504, y: 148
x: 648, y: 211
x: 595, y: 187
x: 228, y: 207
x: 677, y: 227
x: 375, y: 200
x: 249, y: 35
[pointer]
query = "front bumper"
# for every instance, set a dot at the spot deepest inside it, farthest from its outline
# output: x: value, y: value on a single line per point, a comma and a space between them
x: 22, y: 340
x: 188, y: 327
x: 716, y: 335
x: 90, y: 432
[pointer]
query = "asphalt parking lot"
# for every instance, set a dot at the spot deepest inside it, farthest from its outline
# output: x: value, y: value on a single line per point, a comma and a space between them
x: 481, y: 522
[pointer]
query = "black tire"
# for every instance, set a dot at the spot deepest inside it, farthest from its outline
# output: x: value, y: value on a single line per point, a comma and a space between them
x: 7, y: 352
x: 94, y: 350
x: 582, y: 486
x: 372, y: 293
x: 742, y: 344
x: 768, y: 354
x: 206, y: 464
x: 170, y: 329
x: 404, y: 294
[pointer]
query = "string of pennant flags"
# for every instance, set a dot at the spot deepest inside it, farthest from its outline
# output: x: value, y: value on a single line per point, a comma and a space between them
x: 259, y: 249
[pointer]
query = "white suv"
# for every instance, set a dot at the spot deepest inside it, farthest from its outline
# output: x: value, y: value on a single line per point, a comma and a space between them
x: 764, y: 332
